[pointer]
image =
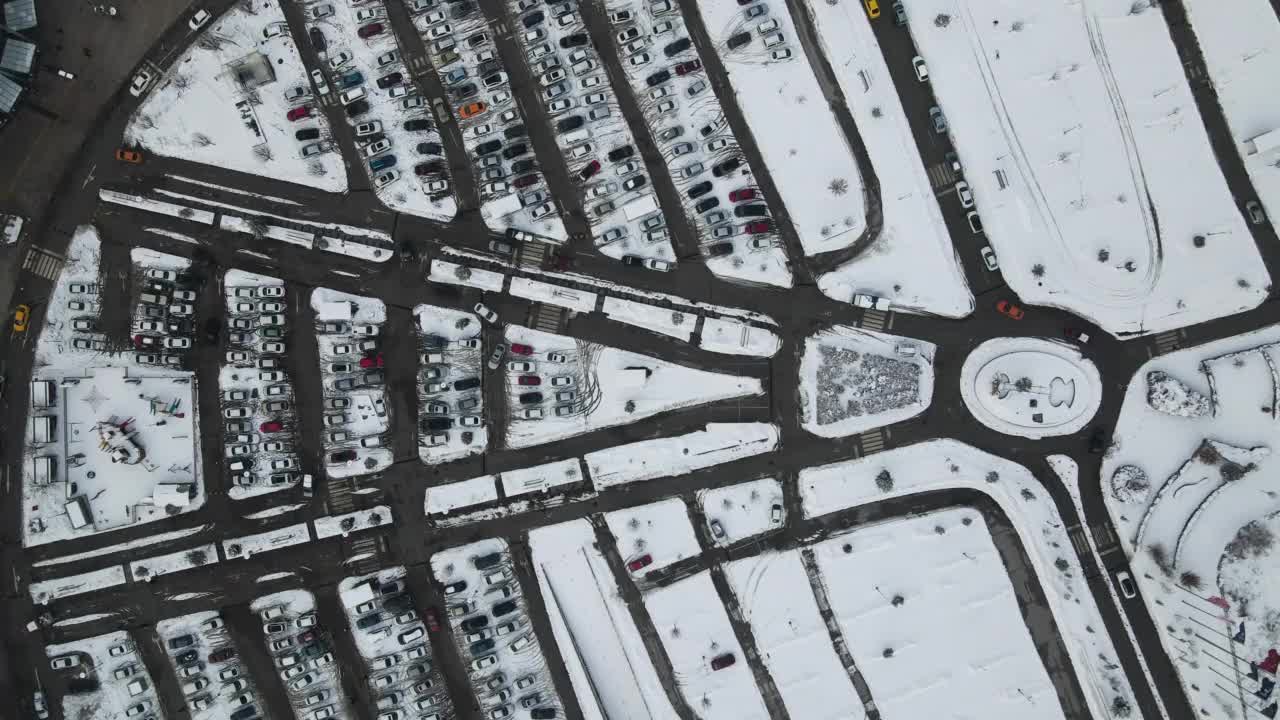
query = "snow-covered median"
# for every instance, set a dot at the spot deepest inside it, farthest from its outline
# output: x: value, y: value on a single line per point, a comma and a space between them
x: 648, y: 459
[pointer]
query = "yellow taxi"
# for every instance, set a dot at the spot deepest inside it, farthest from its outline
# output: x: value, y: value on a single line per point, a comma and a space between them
x: 873, y: 8
x: 21, y: 317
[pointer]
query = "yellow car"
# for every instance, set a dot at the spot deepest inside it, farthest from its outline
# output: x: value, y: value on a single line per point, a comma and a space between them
x: 873, y: 8
x: 21, y: 317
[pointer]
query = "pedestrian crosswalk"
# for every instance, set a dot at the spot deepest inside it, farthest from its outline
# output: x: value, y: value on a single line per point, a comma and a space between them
x: 1079, y: 541
x: 419, y: 63
x: 43, y: 263
x: 940, y: 175
x: 547, y: 318
x: 531, y: 254
x: 362, y: 554
x: 1168, y: 341
x: 874, y: 320
x: 339, y: 498
x: 872, y: 441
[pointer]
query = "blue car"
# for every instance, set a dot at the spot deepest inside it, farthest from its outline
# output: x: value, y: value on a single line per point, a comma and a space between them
x: 381, y: 163
x: 352, y: 79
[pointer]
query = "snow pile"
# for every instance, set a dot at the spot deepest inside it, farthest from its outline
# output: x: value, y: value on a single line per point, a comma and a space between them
x: 1170, y: 395
x: 853, y: 380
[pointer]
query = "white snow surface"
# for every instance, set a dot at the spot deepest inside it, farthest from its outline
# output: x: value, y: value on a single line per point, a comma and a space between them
x: 650, y: 317
x: 773, y: 592
x: 1064, y: 394
x: 804, y: 148
x: 267, y: 541
x: 660, y: 529
x: 541, y: 478
x: 1080, y: 139
x: 582, y: 600
x: 443, y: 271
x: 941, y: 464
x: 680, y: 454
x: 160, y: 207
x: 367, y: 519
x: 193, y: 111
x: 913, y: 262
x: 44, y: 591
x: 537, y: 291
x: 734, y: 337
x: 960, y: 646
x: 744, y: 510
x: 442, y: 499
x: 691, y: 620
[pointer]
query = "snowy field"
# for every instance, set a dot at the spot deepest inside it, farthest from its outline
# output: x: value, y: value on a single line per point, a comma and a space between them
x: 604, y: 388
x: 954, y: 645
x: 852, y: 380
x: 593, y: 627
x: 660, y: 530
x: 356, y: 419
x: 774, y: 593
x: 1189, y: 483
x: 1240, y: 50
x: 913, y: 263
x: 805, y: 150
x: 112, y: 699
x: 942, y: 464
x: 198, y: 111
x: 679, y: 454
x: 1079, y: 135
x: 450, y: 335
x: 1030, y: 387
x: 744, y: 510
x: 694, y: 627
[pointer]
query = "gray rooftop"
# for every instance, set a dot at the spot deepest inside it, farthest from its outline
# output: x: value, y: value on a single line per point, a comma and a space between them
x: 20, y: 14
x: 18, y: 56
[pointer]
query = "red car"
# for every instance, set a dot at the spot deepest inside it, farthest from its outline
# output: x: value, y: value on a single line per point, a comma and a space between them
x: 685, y: 68
x: 307, y: 637
x: 529, y: 380
x: 1004, y: 307
x: 743, y: 194
x: 641, y: 562
x: 525, y: 181
x: 271, y: 426
x: 370, y: 30
x: 759, y: 226
x: 433, y: 620
x: 519, y: 349
x: 302, y: 111
x: 592, y: 168
x: 371, y: 361
x: 723, y: 661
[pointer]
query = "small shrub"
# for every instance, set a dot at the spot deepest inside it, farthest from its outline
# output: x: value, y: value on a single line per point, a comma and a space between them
x: 884, y: 481
x: 1191, y: 580
x: 993, y: 476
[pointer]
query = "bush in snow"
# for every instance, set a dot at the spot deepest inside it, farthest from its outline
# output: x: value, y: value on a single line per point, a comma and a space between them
x: 1160, y: 556
x: 838, y: 187
x: 1232, y: 471
x: 1190, y: 579
x: 462, y: 272
x: 197, y: 557
x: 993, y: 476
x: 1171, y: 396
x: 1252, y: 540
x: 884, y: 481
x: 888, y: 652
x: 1120, y: 707
x: 856, y: 384
x: 1129, y: 484
x: 897, y: 600
x: 942, y: 20
x: 263, y: 152
x: 630, y: 406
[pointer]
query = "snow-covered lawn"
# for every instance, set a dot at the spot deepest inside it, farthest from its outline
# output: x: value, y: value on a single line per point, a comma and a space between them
x: 913, y: 263
x: 599, y: 386
x: 193, y: 557
x: 694, y: 627
x: 1080, y: 139
x: 356, y: 421
x: 679, y: 454
x: 805, y: 150
x: 773, y: 592
x: 593, y: 627
x: 942, y: 464
x: 111, y: 698
x: 744, y: 510
x: 455, y: 336
x: 443, y: 499
x: 660, y: 530
x: 1030, y: 387
x: 247, y: 546
x: 932, y: 621
x: 200, y: 110
x: 734, y: 337
x: 45, y: 591
x: 509, y: 639
x: 1189, y: 483
x: 1239, y: 49
x: 852, y: 380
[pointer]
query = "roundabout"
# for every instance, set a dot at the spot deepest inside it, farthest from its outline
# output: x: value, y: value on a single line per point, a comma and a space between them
x: 1030, y: 387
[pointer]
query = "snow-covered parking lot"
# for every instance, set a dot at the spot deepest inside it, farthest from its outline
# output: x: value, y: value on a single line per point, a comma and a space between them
x: 451, y: 412
x: 301, y: 651
x: 1080, y: 139
x: 112, y: 679
x: 207, y: 666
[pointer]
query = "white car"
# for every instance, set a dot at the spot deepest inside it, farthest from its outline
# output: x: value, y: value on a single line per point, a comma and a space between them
x: 317, y: 79
x: 485, y: 313
x: 141, y: 82
x: 917, y: 62
x: 965, y: 194
x: 1127, y: 588
x: 199, y: 19
x: 989, y: 258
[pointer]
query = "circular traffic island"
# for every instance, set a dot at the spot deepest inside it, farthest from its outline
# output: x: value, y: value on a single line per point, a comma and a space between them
x: 1030, y: 387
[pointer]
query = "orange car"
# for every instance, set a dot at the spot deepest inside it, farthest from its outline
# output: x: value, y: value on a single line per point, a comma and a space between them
x: 472, y: 110
x: 873, y: 8
x: 1004, y: 307
x: 129, y: 156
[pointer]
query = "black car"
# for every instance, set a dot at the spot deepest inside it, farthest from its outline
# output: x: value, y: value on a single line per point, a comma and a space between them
x: 317, y: 39
x: 543, y: 713
x: 719, y: 249
x: 677, y: 47
x: 569, y: 124
x: 621, y: 153
x: 533, y: 19
x: 514, y: 131
x: 307, y: 134
x: 212, y: 330
x: 477, y: 40
x: 632, y: 261
x: 467, y: 383
x: 437, y: 423
x: 737, y: 41
x: 398, y: 603
x: 504, y: 608
x: 407, y: 253
x: 369, y: 620
x: 473, y: 624
x: 726, y: 167
x: 521, y: 167
x: 514, y: 151
x: 708, y: 204
x: 487, y: 561
x: 418, y: 125
x: 751, y: 210
x: 181, y: 641
x: 357, y: 108
x: 482, y: 647
x: 488, y: 147
x: 428, y: 168
x: 574, y: 40
x: 187, y: 657
x: 530, y: 398
x: 342, y: 456
x: 430, y: 148
x: 462, y: 10
x: 1098, y: 440
x: 700, y: 189
x: 390, y: 80
x: 658, y: 78
x: 462, y: 92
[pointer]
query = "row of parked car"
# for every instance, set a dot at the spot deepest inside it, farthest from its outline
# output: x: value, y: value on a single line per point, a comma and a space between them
x: 304, y: 659
x: 539, y: 384
x: 450, y: 389
x: 352, y: 365
x: 163, y: 317
x: 212, y: 679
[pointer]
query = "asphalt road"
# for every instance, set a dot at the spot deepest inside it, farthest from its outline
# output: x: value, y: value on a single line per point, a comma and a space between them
x: 75, y: 161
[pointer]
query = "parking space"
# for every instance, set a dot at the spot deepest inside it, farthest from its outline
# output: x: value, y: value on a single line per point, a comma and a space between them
x: 356, y: 422
x: 491, y: 627
x: 164, y: 302
x: 450, y: 392
x: 129, y: 692
x: 715, y: 182
x: 403, y: 680
x: 392, y: 121
x: 545, y: 380
x: 597, y: 145
x: 302, y: 653
x: 258, y: 407
x: 207, y: 666
x: 512, y: 186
